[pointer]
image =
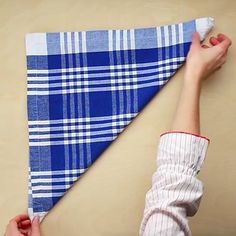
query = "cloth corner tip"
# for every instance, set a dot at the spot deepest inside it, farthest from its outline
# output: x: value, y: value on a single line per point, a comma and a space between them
x: 211, y: 21
x: 204, y: 26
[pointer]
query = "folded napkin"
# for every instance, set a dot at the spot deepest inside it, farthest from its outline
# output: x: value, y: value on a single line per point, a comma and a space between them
x: 84, y: 88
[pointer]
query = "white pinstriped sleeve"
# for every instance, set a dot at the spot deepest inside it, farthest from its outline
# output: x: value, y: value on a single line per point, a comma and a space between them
x: 176, y: 192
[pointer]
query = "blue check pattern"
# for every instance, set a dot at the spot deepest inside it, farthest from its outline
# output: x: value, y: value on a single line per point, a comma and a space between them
x: 84, y: 88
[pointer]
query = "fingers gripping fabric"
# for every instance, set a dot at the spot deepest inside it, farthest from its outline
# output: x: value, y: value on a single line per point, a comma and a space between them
x: 84, y: 88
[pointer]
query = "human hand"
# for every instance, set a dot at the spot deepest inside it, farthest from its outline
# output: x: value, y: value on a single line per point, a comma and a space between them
x: 21, y: 226
x: 202, y: 60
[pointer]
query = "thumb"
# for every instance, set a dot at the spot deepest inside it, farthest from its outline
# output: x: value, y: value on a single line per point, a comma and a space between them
x: 196, y: 39
x: 35, y: 226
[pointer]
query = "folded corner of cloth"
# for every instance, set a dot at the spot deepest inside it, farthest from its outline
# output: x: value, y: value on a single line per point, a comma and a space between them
x: 204, y: 25
x: 84, y: 88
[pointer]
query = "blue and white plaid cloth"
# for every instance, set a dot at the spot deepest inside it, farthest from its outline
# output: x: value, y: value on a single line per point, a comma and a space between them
x: 84, y: 88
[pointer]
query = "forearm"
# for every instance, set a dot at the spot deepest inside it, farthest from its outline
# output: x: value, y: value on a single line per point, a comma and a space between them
x: 187, y: 115
x: 175, y: 192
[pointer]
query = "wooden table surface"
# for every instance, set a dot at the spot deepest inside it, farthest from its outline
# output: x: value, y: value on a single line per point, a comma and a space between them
x: 109, y: 199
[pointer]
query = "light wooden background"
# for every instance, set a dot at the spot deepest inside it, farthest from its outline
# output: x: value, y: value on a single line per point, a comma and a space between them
x: 109, y: 198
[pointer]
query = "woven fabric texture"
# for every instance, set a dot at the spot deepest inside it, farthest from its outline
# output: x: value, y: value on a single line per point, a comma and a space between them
x: 84, y: 88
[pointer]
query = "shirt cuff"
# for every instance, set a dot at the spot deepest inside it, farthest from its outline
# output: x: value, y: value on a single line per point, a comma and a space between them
x: 184, y: 132
x: 182, y: 149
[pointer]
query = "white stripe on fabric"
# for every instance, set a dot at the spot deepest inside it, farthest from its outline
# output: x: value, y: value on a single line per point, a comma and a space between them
x: 47, y: 195
x: 50, y: 187
x: 110, y: 45
x: 81, y: 119
x: 57, y: 172
x: 92, y: 68
x: 43, y: 81
x: 62, y: 44
x: 173, y: 34
x: 117, y: 33
x: 159, y: 37
x: 181, y: 34
x: 166, y: 35
x: 39, y: 138
x: 84, y: 42
x: 115, y: 88
x: 74, y: 141
x: 76, y: 44
x: 53, y: 180
x: 69, y: 43
x: 125, y: 41
x: 132, y: 39
x: 69, y: 127
x: 70, y: 133
x: 123, y: 79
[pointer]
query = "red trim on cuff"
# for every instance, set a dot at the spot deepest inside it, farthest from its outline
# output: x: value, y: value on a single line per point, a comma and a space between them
x: 183, y: 132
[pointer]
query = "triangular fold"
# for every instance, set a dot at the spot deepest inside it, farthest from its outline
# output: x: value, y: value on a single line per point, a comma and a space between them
x: 84, y: 88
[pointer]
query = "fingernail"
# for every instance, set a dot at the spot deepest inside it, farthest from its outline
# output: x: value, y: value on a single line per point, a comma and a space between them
x: 36, y: 218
